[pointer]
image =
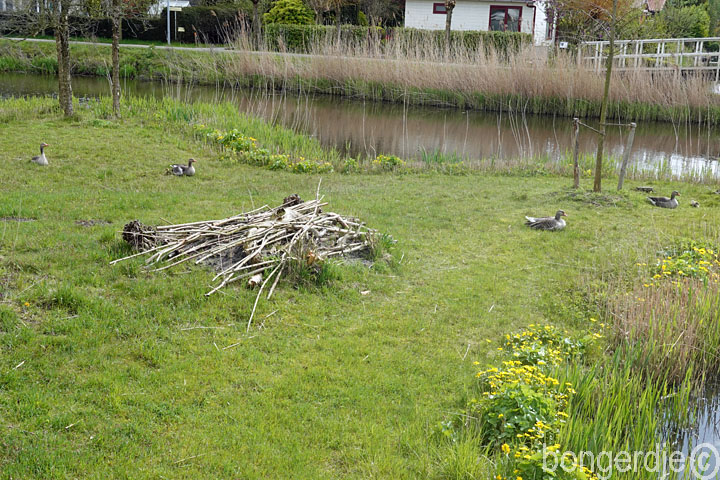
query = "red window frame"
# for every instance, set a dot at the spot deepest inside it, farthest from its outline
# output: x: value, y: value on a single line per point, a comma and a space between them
x: 506, y: 8
x: 439, y: 8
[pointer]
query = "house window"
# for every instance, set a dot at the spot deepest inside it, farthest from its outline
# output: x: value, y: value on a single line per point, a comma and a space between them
x: 439, y: 8
x: 505, y: 19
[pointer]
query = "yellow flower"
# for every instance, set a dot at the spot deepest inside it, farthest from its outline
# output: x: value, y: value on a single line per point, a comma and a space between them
x: 27, y: 304
x: 505, y: 448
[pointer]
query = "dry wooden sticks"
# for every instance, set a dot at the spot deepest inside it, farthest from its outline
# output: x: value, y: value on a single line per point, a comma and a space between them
x: 266, y: 241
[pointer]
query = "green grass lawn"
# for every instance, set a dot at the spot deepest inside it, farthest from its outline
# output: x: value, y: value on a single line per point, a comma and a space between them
x: 102, y: 377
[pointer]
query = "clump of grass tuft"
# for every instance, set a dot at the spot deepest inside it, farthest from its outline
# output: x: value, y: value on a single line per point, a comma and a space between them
x: 674, y: 325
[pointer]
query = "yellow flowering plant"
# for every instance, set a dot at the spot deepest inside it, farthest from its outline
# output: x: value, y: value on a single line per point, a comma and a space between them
x: 520, y: 407
x: 689, y: 259
x: 238, y: 146
x: 544, y: 345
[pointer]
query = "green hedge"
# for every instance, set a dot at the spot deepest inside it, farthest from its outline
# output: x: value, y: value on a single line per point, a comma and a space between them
x: 472, y: 40
x: 216, y: 24
x: 300, y: 38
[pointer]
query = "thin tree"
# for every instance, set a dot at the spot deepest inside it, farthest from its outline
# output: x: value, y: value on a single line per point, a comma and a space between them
x: 256, y: 25
x: 61, y: 26
x: 449, y: 7
x: 319, y: 7
x: 592, y: 20
x: 597, y: 185
x: 116, y: 11
x: 337, y: 6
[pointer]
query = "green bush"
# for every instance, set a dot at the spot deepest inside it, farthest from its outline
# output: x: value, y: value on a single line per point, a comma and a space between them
x: 289, y: 12
x: 687, y: 22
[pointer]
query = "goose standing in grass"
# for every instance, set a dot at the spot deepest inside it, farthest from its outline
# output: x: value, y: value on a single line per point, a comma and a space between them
x: 665, y: 202
x: 41, y: 159
x: 183, y: 170
x: 547, y: 223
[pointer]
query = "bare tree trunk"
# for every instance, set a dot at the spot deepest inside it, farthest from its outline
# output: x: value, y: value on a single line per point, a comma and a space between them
x: 116, y: 37
x: 62, y: 43
x: 257, y: 28
x: 338, y: 10
x: 597, y: 186
x: 449, y: 7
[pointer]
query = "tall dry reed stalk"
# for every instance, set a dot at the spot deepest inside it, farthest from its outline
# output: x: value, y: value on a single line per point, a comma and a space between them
x: 670, y: 327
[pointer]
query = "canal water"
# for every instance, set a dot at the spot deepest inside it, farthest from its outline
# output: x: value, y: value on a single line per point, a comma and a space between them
x: 360, y: 128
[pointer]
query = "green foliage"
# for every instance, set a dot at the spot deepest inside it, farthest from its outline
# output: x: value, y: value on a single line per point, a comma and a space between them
x: 503, y: 43
x: 689, y: 259
x: 362, y: 19
x: 687, y: 22
x: 243, y: 148
x: 301, y: 38
x: 290, y: 12
x: 713, y: 9
x: 387, y: 162
x: 637, y: 24
x: 209, y: 24
x: 544, y: 345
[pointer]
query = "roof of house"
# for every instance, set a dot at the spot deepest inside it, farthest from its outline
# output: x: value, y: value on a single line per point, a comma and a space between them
x: 655, y: 5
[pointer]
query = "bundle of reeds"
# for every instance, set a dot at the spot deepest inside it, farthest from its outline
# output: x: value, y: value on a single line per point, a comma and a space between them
x: 259, y: 245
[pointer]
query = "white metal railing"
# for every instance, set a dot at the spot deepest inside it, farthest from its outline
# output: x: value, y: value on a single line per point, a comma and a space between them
x: 659, y: 54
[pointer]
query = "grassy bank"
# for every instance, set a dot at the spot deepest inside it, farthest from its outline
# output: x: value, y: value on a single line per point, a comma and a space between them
x: 110, y: 372
x: 405, y: 73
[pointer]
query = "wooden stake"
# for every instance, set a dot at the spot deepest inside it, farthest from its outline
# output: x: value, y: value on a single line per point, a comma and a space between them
x: 626, y: 155
x: 576, y: 153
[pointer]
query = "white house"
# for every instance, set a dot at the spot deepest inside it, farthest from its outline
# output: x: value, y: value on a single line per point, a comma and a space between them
x: 160, y: 5
x: 525, y: 16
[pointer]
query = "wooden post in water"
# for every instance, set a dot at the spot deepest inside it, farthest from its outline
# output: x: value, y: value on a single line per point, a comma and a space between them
x: 626, y: 154
x: 576, y: 153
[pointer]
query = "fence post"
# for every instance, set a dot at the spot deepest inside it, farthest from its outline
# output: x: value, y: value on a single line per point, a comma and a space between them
x: 576, y: 153
x: 626, y: 155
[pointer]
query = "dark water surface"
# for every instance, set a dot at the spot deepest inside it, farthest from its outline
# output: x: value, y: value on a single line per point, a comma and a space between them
x: 361, y: 128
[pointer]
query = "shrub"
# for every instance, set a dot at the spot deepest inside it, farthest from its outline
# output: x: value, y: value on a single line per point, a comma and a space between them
x: 289, y: 12
x: 687, y: 22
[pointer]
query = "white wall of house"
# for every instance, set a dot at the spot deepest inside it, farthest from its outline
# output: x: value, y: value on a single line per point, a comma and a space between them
x: 474, y: 15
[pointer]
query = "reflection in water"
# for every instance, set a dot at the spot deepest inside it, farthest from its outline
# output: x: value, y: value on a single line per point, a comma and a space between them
x: 703, y: 436
x: 359, y: 128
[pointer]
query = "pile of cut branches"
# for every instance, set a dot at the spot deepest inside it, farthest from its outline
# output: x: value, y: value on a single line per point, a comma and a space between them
x: 260, y: 245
